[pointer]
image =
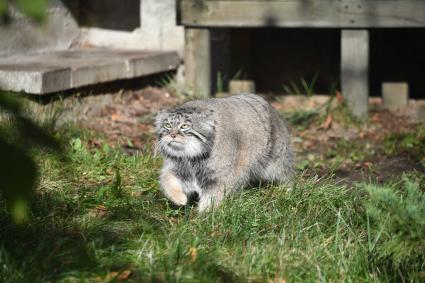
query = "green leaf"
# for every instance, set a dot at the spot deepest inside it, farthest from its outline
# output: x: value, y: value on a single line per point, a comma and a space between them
x: 295, y: 88
x: 3, y: 7
x: 76, y: 144
x: 35, y: 9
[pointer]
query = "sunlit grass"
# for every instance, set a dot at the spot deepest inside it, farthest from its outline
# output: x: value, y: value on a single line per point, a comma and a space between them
x: 98, y: 215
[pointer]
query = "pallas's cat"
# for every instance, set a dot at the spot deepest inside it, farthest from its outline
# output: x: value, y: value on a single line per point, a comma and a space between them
x: 214, y: 147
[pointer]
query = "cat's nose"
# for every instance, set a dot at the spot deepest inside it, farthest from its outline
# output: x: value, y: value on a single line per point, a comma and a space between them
x: 173, y: 135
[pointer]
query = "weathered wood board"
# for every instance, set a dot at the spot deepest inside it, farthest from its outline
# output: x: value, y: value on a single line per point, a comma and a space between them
x: 302, y: 13
x: 198, y: 61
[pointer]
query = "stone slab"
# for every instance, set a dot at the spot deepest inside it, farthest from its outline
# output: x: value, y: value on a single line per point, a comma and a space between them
x: 55, y: 71
x: 395, y: 94
x: 238, y: 86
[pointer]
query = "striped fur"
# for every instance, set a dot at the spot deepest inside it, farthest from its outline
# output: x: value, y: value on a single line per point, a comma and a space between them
x: 230, y: 142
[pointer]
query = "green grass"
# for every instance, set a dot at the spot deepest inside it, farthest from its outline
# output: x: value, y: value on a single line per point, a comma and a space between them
x: 410, y: 143
x: 304, y: 87
x: 98, y: 212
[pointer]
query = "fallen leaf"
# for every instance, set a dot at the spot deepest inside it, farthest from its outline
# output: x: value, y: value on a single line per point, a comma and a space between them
x: 124, y: 275
x: 339, y: 97
x: 311, y: 104
x: 95, y: 143
x: 111, y: 276
x: 327, y: 123
x: 277, y: 280
x: 99, y: 211
x: 375, y: 118
x: 122, y: 118
x: 193, y: 253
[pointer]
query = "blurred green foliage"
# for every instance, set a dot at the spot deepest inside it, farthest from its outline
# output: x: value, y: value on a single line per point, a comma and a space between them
x: 18, y: 172
x: 34, y: 9
x: 305, y: 88
x: 18, y: 134
x: 3, y: 7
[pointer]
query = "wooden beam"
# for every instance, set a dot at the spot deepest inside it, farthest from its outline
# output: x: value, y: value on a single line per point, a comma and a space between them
x: 354, y: 71
x: 198, y: 61
x: 299, y: 13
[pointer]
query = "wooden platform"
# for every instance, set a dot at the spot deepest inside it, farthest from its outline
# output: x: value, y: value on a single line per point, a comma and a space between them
x: 299, y: 13
x: 352, y: 17
x: 44, y: 73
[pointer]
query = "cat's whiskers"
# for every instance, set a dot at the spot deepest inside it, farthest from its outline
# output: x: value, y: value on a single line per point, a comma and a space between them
x: 201, y: 138
x: 160, y: 145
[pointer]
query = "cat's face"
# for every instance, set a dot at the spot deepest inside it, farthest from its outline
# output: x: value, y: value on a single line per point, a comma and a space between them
x: 185, y: 132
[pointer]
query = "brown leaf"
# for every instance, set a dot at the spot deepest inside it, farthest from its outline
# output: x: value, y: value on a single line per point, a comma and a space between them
x: 368, y: 164
x: 339, y: 97
x: 362, y: 135
x: 122, y: 118
x: 110, y: 276
x: 277, y: 280
x: 193, y: 253
x: 124, y: 275
x: 327, y: 123
x: 95, y: 143
x: 99, y: 211
x: 375, y: 118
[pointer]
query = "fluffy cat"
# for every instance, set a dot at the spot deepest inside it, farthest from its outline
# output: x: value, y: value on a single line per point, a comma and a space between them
x: 213, y: 147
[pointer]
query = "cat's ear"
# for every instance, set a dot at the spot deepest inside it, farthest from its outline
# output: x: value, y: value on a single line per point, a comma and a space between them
x: 204, y: 113
x: 160, y: 115
x: 161, y: 112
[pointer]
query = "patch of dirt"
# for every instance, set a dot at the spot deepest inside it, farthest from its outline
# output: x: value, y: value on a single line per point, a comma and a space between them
x: 128, y: 116
x: 125, y: 117
x: 355, y: 152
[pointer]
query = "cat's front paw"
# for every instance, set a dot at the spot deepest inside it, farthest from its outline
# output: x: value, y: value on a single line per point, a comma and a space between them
x: 173, y: 189
x: 178, y: 198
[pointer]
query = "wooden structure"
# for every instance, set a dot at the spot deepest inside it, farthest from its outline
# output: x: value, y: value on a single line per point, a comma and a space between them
x: 61, y: 54
x: 54, y: 71
x: 352, y: 17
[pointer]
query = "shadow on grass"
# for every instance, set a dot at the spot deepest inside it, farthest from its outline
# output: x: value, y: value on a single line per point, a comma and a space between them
x: 62, y: 238
x: 42, y: 251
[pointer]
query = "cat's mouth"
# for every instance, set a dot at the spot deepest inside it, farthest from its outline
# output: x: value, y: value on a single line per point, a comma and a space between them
x: 175, y: 144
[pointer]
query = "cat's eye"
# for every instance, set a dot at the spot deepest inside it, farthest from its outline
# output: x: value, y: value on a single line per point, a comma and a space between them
x: 167, y: 125
x: 184, y: 126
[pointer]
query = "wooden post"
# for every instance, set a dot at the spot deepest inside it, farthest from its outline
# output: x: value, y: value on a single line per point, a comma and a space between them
x: 355, y: 70
x: 198, y: 61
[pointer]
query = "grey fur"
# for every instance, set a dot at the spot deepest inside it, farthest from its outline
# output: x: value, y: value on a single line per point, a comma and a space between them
x: 231, y: 142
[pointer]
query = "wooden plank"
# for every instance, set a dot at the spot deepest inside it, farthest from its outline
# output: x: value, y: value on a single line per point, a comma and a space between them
x: 354, y: 71
x: 198, y: 61
x: 298, y: 13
